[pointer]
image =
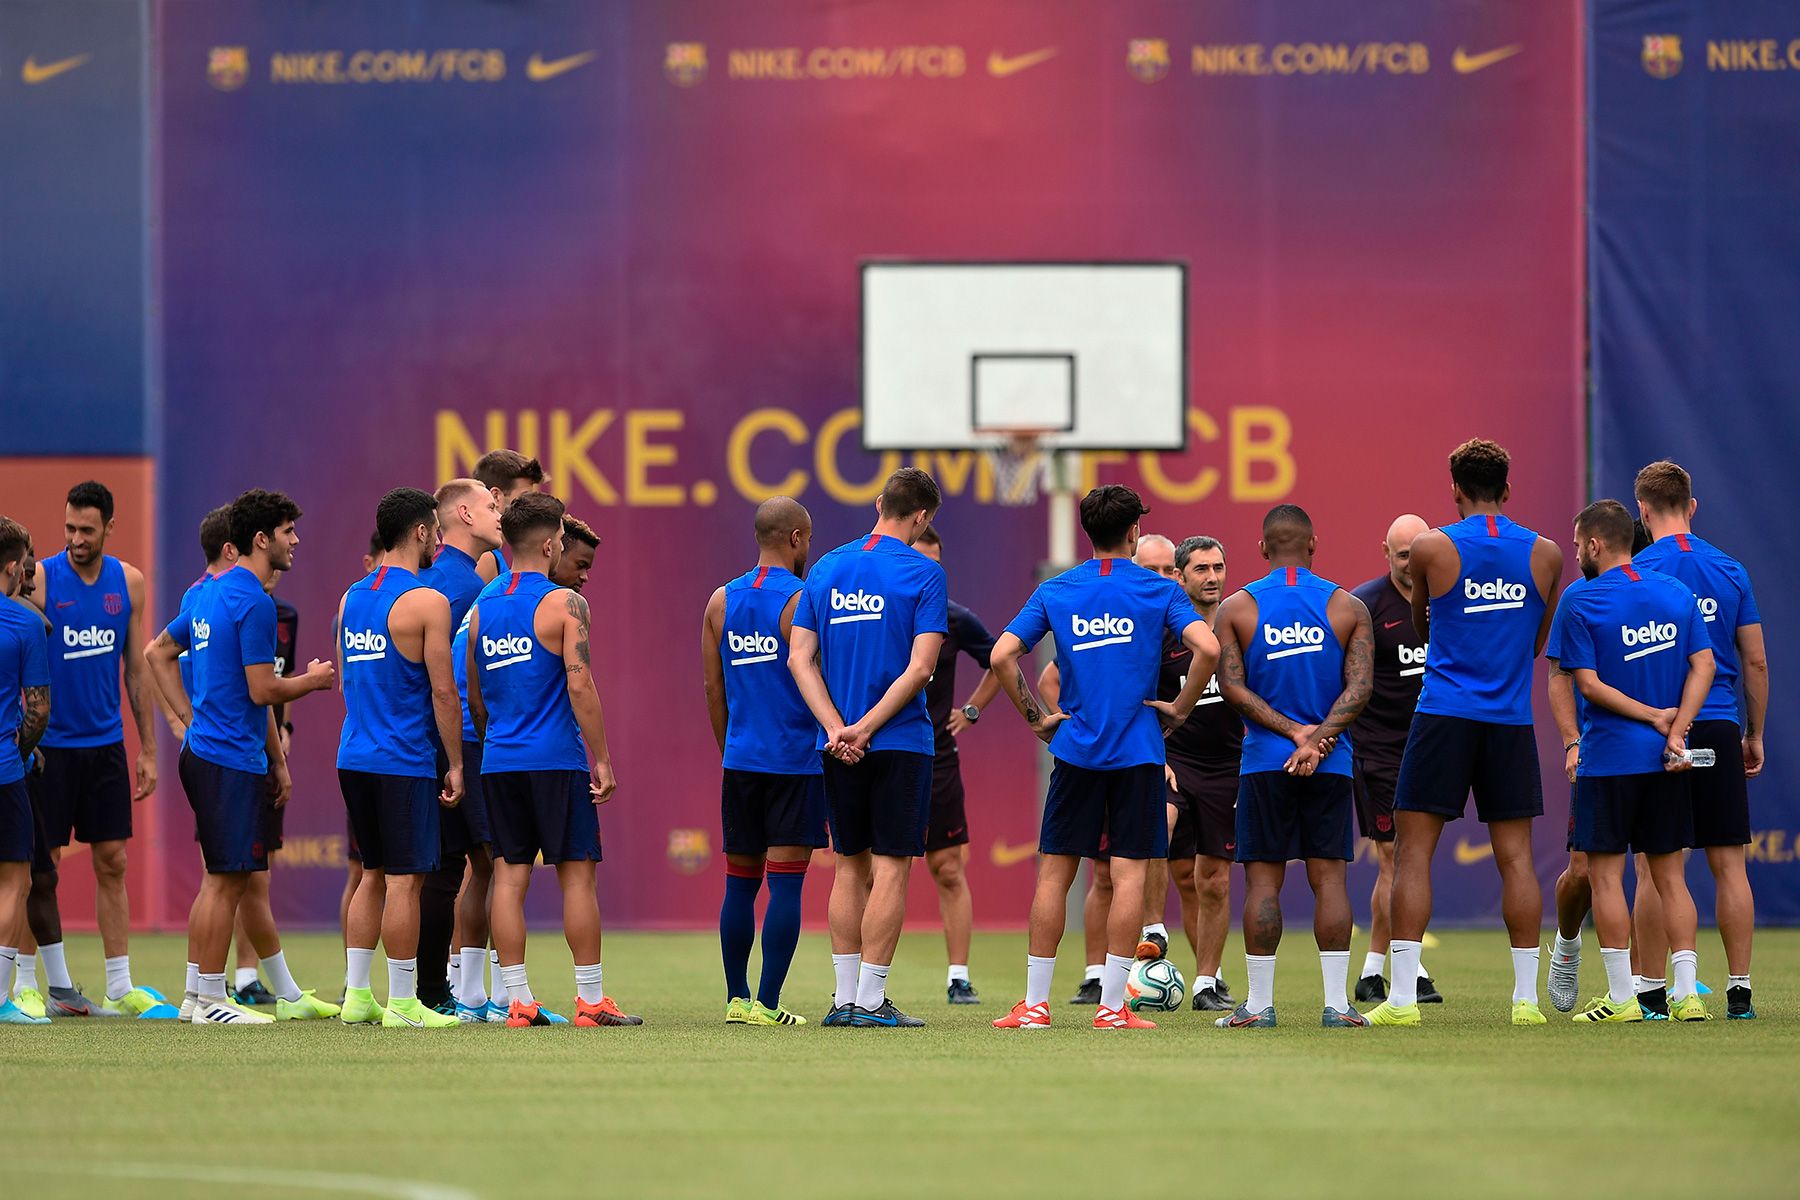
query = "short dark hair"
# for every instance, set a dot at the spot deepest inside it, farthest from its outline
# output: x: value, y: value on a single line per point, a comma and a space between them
x: 1108, y: 513
x: 1188, y: 547
x: 93, y: 494
x: 929, y: 535
x: 907, y: 491
x: 215, y: 531
x: 779, y: 516
x: 400, y: 512
x: 577, y: 530
x: 1640, y: 537
x: 1608, y: 521
x: 500, y: 468
x: 1663, y: 487
x: 257, y: 511
x: 533, y: 513
x: 1478, y: 468
x: 1286, y: 527
x: 15, y: 540
x: 375, y: 548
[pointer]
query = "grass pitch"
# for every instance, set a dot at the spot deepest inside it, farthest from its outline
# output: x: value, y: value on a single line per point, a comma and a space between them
x: 685, y: 1106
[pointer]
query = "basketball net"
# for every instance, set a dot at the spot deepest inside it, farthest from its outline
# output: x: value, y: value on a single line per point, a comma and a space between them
x: 1020, y: 464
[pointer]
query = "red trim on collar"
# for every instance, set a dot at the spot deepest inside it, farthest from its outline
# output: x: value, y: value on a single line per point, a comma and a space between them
x: 1631, y: 574
x: 1106, y: 566
x: 762, y: 573
x: 1681, y: 540
x: 379, y: 576
x: 1493, y: 525
x: 1293, y: 577
x: 874, y: 541
x: 514, y: 585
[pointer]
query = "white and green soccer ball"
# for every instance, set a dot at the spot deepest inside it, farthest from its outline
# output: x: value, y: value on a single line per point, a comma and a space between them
x: 1154, y: 986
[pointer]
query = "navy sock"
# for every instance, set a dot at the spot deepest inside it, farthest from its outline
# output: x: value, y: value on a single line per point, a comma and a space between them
x: 737, y: 929
x: 781, y: 929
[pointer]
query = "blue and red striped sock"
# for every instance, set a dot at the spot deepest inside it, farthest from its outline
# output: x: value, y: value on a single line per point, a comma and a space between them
x: 781, y: 929
x: 737, y: 926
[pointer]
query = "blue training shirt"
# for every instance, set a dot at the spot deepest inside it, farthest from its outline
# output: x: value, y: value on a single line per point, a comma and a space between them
x: 229, y: 626
x: 1635, y: 630
x: 87, y: 635
x: 1727, y: 604
x: 453, y: 574
x: 24, y: 663
x: 387, y: 696
x: 531, y: 725
x: 768, y: 727
x: 867, y: 600
x: 1296, y: 663
x: 1484, y: 629
x: 185, y: 660
x: 1553, y: 647
x: 1110, y: 617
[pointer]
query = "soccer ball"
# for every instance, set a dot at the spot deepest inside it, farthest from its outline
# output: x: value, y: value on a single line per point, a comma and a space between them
x: 1154, y: 985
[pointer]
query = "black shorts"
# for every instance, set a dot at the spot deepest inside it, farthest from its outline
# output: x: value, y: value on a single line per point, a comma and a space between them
x: 1121, y: 813
x: 230, y: 814
x: 949, y: 824
x: 1282, y: 817
x: 84, y: 791
x: 465, y: 827
x: 1721, y: 793
x: 1205, y: 812
x: 352, y: 851
x: 759, y: 809
x: 1448, y: 757
x: 542, y: 813
x: 395, y: 818
x: 881, y: 804
x: 18, y: 829
x: 1651, y: 813
x: 274, y: 826
x: 1375, y: 783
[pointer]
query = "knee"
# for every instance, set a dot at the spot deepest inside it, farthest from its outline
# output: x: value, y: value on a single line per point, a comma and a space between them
x: 43, y: 884
x: 1214, y: 886
x: 949, y: 875
x: 109, y: 861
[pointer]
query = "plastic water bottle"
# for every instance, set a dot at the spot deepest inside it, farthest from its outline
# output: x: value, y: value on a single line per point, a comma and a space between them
x: 1702, y: 757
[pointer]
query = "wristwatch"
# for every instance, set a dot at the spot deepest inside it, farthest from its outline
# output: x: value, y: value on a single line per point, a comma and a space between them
x: 971, y: 713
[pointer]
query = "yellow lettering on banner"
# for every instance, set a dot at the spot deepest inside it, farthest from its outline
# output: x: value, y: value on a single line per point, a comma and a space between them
x: 737, y: 454
x: 1091, y: 462
x: 825, y: 461
x: 569, y: 453
x: 953, y: 468
x: 456, y: 449
x: 1261, y: 434
x: 641, y: 454
x: 1194, y: 490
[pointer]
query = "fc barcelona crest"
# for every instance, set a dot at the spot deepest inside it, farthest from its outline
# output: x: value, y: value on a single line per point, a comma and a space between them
x: 113, y: 603
x: 1662, y: 55
x: 1147, y: 59
x: 227, y: 67
x: 689, y: 850
x: 685, y: 63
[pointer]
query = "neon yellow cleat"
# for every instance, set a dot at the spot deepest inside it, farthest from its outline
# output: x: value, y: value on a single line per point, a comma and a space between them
x: 1387, y: 1013
x: 30, y: 1002
x: 1526, y: 1012
x: 737, y: 1011
x: 1691, y: 1009
x: 1604, y: 1008
x: 307, y: 1008
x: 410, y: 1014
x: 772, y: 1016
x: 360, y: 1008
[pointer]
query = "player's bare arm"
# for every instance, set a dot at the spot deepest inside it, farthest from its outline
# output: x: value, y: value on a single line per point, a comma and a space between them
x: 1236, y: 625
x: 137, y: 689
x: 1005, y: 660
x: 1050, y: 688
x: 899, y: 694
x: 280, y: 783
x: 1546, y: 572
x: 268, y: 688
x: 803, y: 664
x: 34, y: 709
x: 1562, y: 710
x: 1435, y: 564
x: 432, y: 612
x: 478, y: 714
x: 162, y: 658
x: 584, y: 694
x: 1753, y: 659
x: 1351, y: 624
x: 712, y: 666
x: 980, y: 698
x: 1203, y: 644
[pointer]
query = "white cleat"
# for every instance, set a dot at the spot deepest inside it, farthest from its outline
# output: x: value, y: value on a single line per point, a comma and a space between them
x: 188, y: 1003
x: 220, y: 1012
x: 1565, y: 980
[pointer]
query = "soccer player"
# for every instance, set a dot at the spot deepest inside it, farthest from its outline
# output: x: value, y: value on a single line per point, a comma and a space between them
x: 1296, y: 659
x: 393, y: 645
x: 772, y: 799
x: 1110, y: 617
x: 1665, y: 497
x: 1378, y: 739
x: 534, y: 702
x: 1631, y: 789
x: 865, y: 636
x: 580, y: 544
x: 1484, y: 589
x: 947, y: 833
x: 96, y: 606
x: 231, y: 757
x: 508, y: 475
x: 24, y: 713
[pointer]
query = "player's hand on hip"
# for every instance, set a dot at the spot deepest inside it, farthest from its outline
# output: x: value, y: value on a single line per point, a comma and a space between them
x: 1167, y: 715
x: 321, y: 674
x: 1045, y: 725
x: 1753, y: 757
x: 281, y: 784
x: 146, y: 777
x: 602, y: 784
x: 957, y: 724
x: 452, y: 794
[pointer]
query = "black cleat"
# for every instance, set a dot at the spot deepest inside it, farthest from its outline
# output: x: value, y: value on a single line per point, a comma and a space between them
x: 1737, y: 1004
x: 885, y: 1017
x: 254, y: 994
x: 1428, y: 993
x: 1655, y: 1001
x: 961, y: 991
x: 1153, y: 947
x: 1225, y: 991
x: 1371, y: 988
x: 1211, y: 1000
x: 1088, y: 995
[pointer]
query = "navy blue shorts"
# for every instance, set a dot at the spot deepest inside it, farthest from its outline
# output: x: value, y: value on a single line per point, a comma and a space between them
x: 18, y: 828
x: 949, y: 823
x: 759, y: 809
x: 395, y: 818
x: 1122, y: 813
x: 1205, y: 803
x: 1375, y: 783
x: 1448, y: 757
x: 84, y: 792
x: 883, y: 803
x: 547, y: 813
x: 230, y: 814
x: 465, y: 827
x: 1651, y: 813
x: 1721, y: 793
x: 1282, y: 817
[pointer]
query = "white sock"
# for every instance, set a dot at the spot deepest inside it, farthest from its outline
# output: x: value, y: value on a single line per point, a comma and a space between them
x: 1038, y: 973
x: 1568, y: 948
x: 358, y: 963
x: 118, y: 976
x: 1525, y: 973
x: 1635, y: 980
x: 453, y: 973
x: 1372, y: 964
x: 281, y: 980
x: 1742, y: 981
x: 1261, y: 969
x: 1334, y: 966
x: 1202, y: 982
x: 958, y: 971
x: 1093, y: 971
x: 1405, y: 987
x: 517, y: 986
x: 473, y: 976
x: 1642, y: 983
x: 1686, y: 965
x: 192, y: 985
x: 1158, y: 928
x: 403, y: 979
x: 1112, y: 981
x: 1618, y: 974
x: 26, y: 979
x: 56, y: 966
x: 9, y: 962
x: 212, y: 987
x: 587, y: 983
x: 1423, y: 973
x: 845, y: 967
x: 241, y: 978
x: 871, y: 985
x: 496, y: 984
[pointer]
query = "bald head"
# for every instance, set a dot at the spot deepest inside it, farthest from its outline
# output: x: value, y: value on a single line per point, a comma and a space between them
x: 1155, y: 553
x: 1397, y: 546
x: 1287, y: 536
x: 784, y: 533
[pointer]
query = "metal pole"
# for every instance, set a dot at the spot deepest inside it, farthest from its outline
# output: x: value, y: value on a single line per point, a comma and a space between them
x: 1064, y: 471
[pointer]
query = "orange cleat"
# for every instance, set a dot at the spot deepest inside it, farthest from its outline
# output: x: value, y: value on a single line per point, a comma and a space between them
x: 520, y: 1014
x: 1025, y: 1016
x: 1120, y: 1018
x: 603, y: 1013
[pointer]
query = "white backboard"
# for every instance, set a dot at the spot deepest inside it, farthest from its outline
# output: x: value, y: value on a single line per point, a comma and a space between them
x: 956, y: 353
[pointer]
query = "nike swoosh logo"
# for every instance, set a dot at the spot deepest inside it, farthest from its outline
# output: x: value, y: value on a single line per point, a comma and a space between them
x: 32, y: 73
x: 418, y: 1024
x: 999, y: 66
x: 1468, y: 64
x: 1467, y: 855
x: 537, y: 70
x: 1389, y: 624
x: 64, y: 603
x: 1004, y: 855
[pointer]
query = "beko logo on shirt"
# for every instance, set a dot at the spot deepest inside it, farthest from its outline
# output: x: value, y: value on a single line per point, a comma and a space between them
x: 1494, y: 594
x: 1412, y: 660
x: 755, y: 647
x: 1652, y: 636
x: 856, y: 606
x: 1105, y: 629
x: 369, y: 644
x: 85, y: 643
x: 1709, y: 609
x: 1297, y: 638
x: 199, y: 633
x: 505, y: 651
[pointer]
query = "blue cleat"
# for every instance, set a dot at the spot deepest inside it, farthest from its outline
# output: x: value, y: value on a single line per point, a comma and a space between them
x: 12, y: 1014
x: 476, y: 1015
x: 1348, y: 1019
x: 885, y: 1017
x: 1243, y: 1018
x: 496, y: 1012
x: 553, y: 1018
x: 839, y: 1015
x: 1655, y: 1014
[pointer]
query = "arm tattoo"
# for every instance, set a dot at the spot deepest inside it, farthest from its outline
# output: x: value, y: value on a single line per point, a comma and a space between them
x: 36, y: 707
x: 1359, y: 681
x: 1032, y: 713
x: 1230, y: 672
x: 578, y: 608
